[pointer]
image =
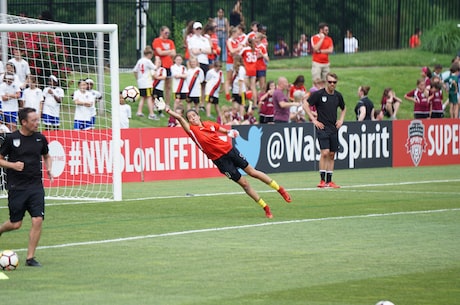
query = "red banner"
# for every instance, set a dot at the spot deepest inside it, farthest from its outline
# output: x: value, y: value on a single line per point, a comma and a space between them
x: 426, y: 142
x: 147, y: 154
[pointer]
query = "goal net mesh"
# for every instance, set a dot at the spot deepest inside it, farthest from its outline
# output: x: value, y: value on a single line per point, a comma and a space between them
x: 82, y: 156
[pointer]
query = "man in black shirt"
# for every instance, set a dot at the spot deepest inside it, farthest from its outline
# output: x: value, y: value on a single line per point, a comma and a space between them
x: 21, y: 155
x: 326, y: 101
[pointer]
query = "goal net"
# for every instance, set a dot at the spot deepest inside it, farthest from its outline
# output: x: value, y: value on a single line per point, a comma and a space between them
x: 77, y: 62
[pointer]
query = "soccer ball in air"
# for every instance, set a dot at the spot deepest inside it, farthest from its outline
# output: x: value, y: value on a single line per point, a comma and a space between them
x: 384, y: 303
x: 9, y: 260
x: 130, y: 94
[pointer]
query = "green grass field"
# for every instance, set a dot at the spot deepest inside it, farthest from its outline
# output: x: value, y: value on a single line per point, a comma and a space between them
x: 386, y: 234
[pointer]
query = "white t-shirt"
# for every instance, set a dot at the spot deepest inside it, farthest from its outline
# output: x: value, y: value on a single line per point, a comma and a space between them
x: 125, y: 115
x: 195, y: 76
x: 144, y: 68
x: 159, y: 84
x: 10, y: 105
x: 213, y: 81
x: 350, y: 45
x: 96, y: 96
x: 32, y: 98
x: 22, y: 68
x: 241, y: 76
x: 50, y: 106
x: 179, y: 82
x: 83, y: 113
x: 199, y: 42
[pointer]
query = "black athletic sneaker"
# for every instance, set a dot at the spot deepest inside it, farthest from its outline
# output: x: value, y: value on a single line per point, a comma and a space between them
x: 32, y: 262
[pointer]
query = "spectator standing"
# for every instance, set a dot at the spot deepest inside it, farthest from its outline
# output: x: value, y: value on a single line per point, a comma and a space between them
x: 125, y: 113
x: 21, y: 66
x: 414, y: 40
x: 262, y: 60
x: 23, y: 165
x: 53, y: 95
x: 200, y: 47
x: 426, y: 75
x: 281, y: 101
x: 452, y: 86
x: 159, y: 80
x: 222, y: 33
x: 322, y: 46
x: 214, y: 79
x: 195, y: 76
x: 166, y: 49
x: 236, y: 15
x: 266, y: 107
x: 143, y: 71
x: 436, y: 101
x: 238, y: 84
x: 10, y: 93
x: 32, y: 97
x: 83, y: 102
x: 350, y: 43
x: 179, y: 76
x: 234, y: 47
x: 364, y: 109
x: 254, y: 30
x: 419, y: 96
x: 327, y: 101
x: 97, y: 96
x: 249, y: 55
x: 210, y: 33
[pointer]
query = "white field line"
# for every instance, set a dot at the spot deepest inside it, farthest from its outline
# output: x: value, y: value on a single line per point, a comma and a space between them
x: 343, y: 187
x: 337, y: 218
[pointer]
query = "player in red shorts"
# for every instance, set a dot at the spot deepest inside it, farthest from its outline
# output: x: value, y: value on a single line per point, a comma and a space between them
x: 207, y: 136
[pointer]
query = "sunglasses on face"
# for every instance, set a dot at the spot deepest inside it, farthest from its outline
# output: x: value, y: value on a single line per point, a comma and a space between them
x: 332, y: 81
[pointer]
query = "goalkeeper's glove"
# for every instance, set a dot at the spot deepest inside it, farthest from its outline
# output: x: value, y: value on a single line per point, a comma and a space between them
x: 232, y: 133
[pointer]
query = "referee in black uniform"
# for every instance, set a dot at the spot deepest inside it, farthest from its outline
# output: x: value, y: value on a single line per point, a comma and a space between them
x: 21, y: 154
x: 326, y: 101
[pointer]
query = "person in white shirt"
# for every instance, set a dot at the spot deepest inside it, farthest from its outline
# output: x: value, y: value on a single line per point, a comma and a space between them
x: 21, y: 65
x: 200, y: 47
x: 51, y: 109
x: 125, y: 113
x: 179, y: 77
x: 143, y: 71
x: 214, y: 79
x: 83, y: 102
x: 9, y: 93
x: 350, y: 43
x: 32, y: 97
x: 97, y: 98
x: 195, y: 76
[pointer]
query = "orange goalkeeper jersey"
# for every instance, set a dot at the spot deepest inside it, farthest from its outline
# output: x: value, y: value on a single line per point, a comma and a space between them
x: 208, y: 139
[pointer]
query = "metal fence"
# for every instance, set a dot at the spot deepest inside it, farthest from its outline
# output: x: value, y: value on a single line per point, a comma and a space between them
x: 378, y: 24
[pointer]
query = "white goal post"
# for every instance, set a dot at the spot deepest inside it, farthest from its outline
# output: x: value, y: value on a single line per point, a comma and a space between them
x: 95, y: 153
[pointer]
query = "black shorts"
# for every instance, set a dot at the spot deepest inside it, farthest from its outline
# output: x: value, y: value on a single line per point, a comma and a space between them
x: 230, y: 163
x: 437, y: 115
x: 204, y: 67
x: 145, y: 92
x: 237, y: 98
x: 157, y: 93
x: 194, y: 99
x: 328, y: 139
x: 421, y: 115
x: 180, y: 96
x: 168, y: 72
x: 30, y: 200
x: 266, y: 119
x: 213, y: 100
